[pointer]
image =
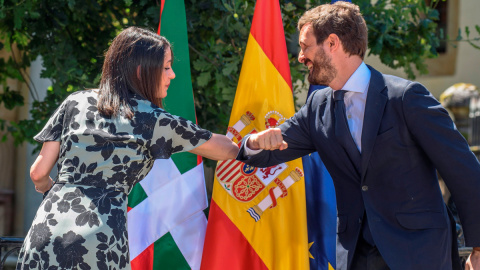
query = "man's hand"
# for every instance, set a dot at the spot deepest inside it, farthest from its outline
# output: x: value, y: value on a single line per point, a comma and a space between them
x: 473, y: 262
x: 270, y: 139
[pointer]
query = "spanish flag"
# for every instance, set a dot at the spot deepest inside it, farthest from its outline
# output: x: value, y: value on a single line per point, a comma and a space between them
x: 166, y: 222
x: 257, y: 216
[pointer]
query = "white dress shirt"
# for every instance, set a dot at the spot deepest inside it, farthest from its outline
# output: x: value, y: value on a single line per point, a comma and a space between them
x: 355, y: 99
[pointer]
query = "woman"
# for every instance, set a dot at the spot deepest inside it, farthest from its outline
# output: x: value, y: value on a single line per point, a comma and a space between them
x: 105, y: 141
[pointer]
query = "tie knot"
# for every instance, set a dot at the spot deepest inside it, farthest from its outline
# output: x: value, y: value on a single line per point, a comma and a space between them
x: 339, y: 94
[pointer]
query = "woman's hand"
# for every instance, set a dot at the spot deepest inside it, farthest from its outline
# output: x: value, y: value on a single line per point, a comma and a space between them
x: 44, y: 189
x: 219, y: 147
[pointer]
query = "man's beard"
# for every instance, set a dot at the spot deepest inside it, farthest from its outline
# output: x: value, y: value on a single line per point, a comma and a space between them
x: 322, y: 72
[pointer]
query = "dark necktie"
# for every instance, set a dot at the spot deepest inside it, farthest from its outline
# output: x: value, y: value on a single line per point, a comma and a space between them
x: 344, y: 137
x: 342, y: 132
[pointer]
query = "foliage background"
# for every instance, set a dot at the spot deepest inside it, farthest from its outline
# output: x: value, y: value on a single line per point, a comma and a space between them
x: 71, y: 36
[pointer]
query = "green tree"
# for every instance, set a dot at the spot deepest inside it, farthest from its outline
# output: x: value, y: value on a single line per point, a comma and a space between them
x: 71, y: 36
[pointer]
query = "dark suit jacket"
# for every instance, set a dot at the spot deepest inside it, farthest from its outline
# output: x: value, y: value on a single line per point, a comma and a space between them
x: 406, y: 136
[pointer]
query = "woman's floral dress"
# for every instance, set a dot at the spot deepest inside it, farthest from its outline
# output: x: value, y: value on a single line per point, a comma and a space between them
x: 81, y: 223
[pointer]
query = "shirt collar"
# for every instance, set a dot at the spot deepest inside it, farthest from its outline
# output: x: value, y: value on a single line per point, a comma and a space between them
x: 359, y: 80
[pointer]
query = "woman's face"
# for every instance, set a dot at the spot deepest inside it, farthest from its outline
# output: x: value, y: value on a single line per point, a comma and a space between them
x: 167, y: 74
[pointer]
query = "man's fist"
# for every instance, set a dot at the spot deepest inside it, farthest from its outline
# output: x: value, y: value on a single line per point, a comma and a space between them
x: 270, y: 139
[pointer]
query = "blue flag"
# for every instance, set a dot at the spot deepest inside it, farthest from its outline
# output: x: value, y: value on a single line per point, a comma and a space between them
x: 321, y: 210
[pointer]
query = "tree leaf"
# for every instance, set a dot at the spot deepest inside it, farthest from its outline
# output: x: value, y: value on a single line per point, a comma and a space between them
x: 18, y: 16
x: 229, y: 68
x: 289, y: 7
x: 71, y: 5
x: 203, y: 79
x: 474, y: 45
x: 459, y: 35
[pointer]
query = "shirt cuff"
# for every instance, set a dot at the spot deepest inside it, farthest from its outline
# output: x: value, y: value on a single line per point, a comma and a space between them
x: 249, y: 152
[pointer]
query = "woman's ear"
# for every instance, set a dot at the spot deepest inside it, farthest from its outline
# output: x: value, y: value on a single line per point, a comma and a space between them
x: 138, y: 72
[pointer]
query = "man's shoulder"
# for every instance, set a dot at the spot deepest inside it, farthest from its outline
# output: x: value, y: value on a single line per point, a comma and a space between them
x: 393, y: 83
x: 401, y: 86
x: 319, y: 96
x: 395, y: 80
x: 378, y: 77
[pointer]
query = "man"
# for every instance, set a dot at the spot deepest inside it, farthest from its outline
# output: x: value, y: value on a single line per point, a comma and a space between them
x: 382, y: 141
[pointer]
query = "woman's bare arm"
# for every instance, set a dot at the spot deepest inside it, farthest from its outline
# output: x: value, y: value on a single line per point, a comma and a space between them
x: 219, y: 147
x: 40, y: 170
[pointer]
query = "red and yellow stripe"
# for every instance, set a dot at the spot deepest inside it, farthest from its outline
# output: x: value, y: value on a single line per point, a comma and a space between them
x: 279, y: 239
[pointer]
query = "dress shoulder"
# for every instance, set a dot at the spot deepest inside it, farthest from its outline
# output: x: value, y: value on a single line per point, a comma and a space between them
x: 61, y: 118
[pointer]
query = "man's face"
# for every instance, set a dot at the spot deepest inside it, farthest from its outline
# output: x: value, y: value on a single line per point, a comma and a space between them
x: 313, y: 56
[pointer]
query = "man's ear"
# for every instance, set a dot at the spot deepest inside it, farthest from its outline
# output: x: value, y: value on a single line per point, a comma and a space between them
x: 138, y: 73
x: 333, y: 42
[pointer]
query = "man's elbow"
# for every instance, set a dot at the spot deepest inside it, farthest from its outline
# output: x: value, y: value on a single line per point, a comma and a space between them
x: 259, y: 162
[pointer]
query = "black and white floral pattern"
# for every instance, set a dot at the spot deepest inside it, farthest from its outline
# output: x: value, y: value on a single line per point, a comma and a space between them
x: 81, y: 223
x: 69, y: 250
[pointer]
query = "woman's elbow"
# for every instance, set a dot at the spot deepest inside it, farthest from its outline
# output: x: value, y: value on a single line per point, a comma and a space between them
x: 226, y: 149
x: 37, y: 174
x: 233, y: 151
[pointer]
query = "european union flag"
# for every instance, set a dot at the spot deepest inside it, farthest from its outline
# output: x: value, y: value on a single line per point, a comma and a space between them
x: 321, y: 210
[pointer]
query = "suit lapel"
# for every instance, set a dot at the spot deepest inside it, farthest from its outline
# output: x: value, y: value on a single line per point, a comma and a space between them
x: 327, y: 112
x: 336, y: 151
x: 374, y: 107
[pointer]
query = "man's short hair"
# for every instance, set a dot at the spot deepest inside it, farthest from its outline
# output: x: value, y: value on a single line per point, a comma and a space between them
x: 341, y: 18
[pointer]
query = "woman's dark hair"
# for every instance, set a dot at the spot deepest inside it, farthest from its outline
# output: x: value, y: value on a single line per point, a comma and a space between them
x: 132, y: 48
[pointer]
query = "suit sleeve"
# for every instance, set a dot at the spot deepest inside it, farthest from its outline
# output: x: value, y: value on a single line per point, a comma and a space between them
x: 435, y: 132
x: 295, y: 131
